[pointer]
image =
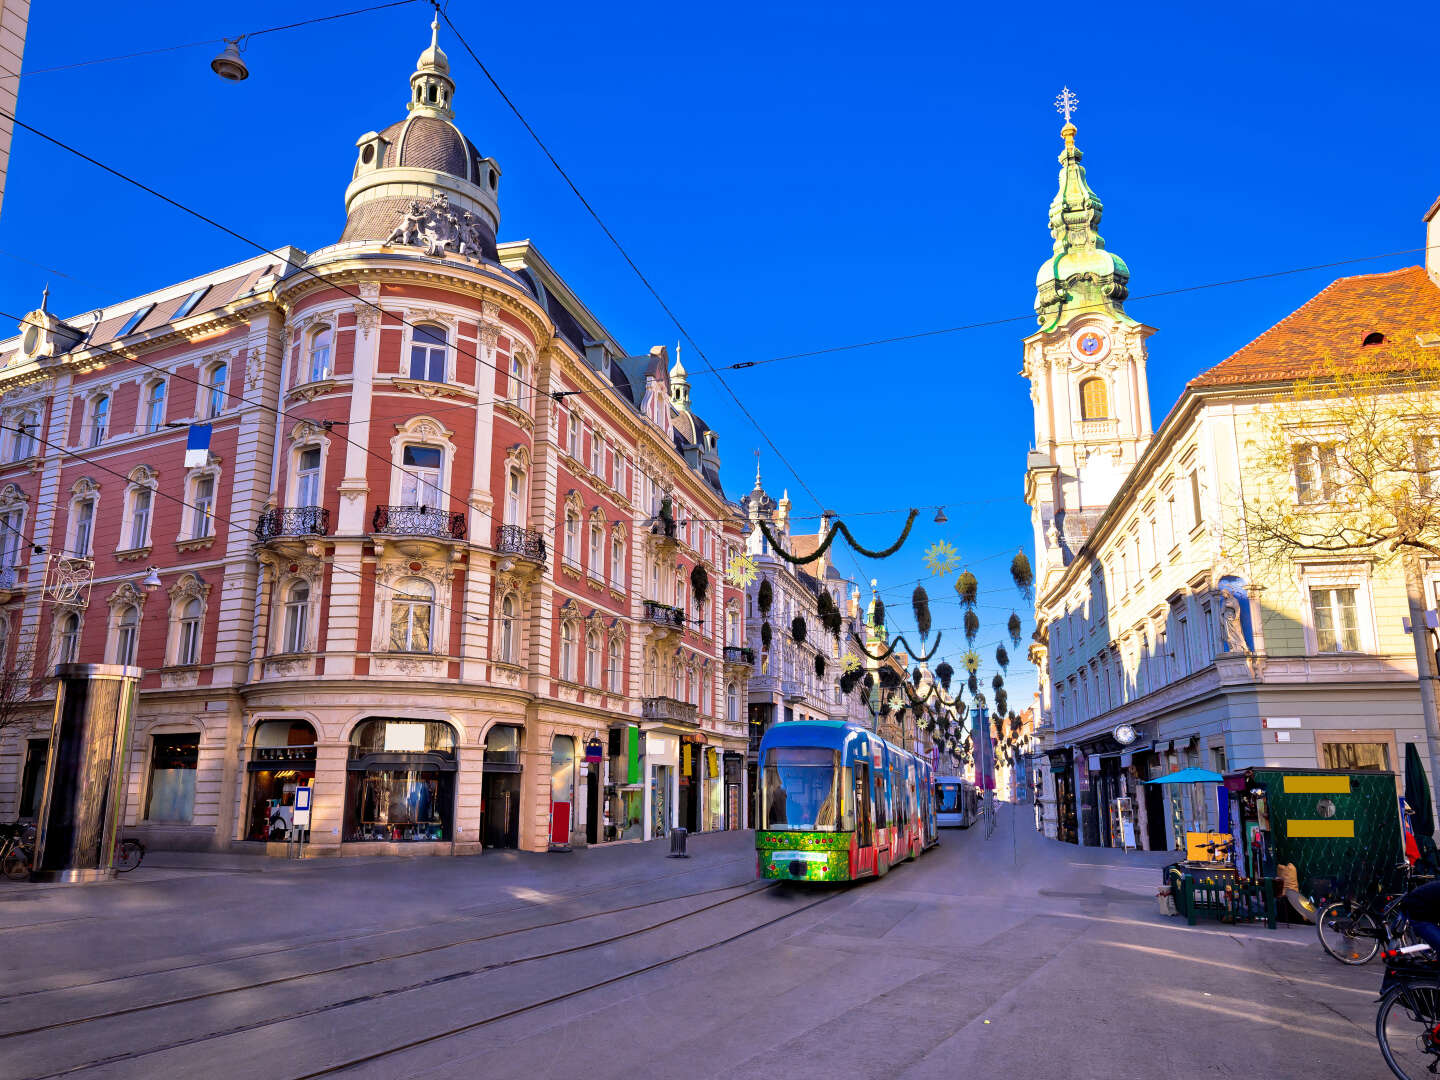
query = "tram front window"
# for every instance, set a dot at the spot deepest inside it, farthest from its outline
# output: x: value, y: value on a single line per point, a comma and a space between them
x: 800, y: 789
x: 947, y: 798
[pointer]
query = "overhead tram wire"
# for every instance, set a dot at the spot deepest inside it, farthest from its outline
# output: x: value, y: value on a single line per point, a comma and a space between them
x: 207, y: 41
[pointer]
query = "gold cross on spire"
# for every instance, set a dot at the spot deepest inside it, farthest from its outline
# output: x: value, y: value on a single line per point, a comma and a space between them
x: 1066, y: 102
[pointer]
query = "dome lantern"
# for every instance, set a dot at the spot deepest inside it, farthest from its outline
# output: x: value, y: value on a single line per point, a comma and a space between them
x: 431, y: 88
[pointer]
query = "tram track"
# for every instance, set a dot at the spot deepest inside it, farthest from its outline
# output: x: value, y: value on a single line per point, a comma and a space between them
x: 428, y: 983
x: 371, y: 933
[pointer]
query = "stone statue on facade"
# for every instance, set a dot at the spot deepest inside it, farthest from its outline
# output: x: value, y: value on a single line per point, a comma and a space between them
x: 411, y: 227
x: 468, y: 234
x: 1232, y: 631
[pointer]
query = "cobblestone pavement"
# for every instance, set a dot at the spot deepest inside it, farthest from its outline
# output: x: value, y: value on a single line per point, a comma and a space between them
x: 1008, y: 956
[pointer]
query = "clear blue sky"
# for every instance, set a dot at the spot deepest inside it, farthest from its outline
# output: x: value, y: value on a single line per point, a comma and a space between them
x: 791, y: 177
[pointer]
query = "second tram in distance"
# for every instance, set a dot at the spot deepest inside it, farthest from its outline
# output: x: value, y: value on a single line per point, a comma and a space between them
x: 837, y: 803
x: 957, y: 802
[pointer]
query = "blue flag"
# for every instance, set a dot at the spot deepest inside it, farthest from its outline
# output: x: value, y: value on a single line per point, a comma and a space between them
x: 197, y: 446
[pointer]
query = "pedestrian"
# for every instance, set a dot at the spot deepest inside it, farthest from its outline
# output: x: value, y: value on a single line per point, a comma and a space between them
x: 1422, y: 907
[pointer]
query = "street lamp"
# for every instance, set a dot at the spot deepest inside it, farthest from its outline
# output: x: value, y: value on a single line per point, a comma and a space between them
x: 229, y: 65
x: 152, y: 580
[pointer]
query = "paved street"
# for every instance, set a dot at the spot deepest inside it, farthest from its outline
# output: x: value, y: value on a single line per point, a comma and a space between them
x: 1012, y: 956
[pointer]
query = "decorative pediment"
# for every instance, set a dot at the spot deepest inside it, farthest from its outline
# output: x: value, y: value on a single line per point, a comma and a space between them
x: 144, y: 475
x: 574, y: 502
x: 10, y: 495
x: 618, y: 530
x: 305, y: 431
x: 189, y: 587
x: 518, y: 455
x: 424, y: 427
x: 86, y: 485
x: 597, y: 513
x: 126, y: 594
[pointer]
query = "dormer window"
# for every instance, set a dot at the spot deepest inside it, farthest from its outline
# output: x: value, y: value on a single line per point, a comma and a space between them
x: 188, y: 304
x: 1374, y: 338
x: 134, y: 320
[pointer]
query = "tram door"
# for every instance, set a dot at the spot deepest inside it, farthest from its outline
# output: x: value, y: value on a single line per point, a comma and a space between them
x: 864, y: 822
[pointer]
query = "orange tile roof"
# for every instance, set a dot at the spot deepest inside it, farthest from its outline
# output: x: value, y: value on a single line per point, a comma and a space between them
x: 1332, y: 326
x: 801, y: 546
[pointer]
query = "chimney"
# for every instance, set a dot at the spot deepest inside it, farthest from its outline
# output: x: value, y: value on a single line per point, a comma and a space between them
x: 1432, y: 242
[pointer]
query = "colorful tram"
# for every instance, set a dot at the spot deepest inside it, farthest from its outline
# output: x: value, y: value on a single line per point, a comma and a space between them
x: 957, y: 802
x: 837, y: 802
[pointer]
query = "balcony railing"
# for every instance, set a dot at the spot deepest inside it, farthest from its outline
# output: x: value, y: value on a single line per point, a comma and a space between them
x: 1103, y: 428
x: 418, y: 521
x: 9, y: 577
x: 293, y: 521
x: 667, y: 708
x: 739, y: 654
x: 664, y: 614
x: 513, y: 540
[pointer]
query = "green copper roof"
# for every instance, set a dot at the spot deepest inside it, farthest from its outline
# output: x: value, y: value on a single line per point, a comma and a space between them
x: 1081, y: 277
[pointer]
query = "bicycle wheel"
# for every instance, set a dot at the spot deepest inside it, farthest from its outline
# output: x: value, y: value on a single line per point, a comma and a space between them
x: 128, y: 855
x: 1408, y: 1028
x: 15, y: 866
x: 1350, y: 936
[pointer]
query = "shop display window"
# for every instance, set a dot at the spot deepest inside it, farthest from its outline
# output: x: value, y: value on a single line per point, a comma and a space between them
x: 282, y: 757
x: 171, y: 793
x: 400, y: 782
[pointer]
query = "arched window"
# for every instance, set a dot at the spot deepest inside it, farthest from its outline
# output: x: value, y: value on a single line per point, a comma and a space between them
x: 507, y: 630
x: 572, y: 538
x: 69, y: 638
x: 23, y: 444
x: 83, y: 515
x: 428, y: 352
x: 519, y: 391
x: 1094, y: 401
x: 320, y: 354
x: 215, y: 385
x: 732, y: 704
x: 567, y: 651
x: 616, y: 678
x: 592, y: 658
x: 155, y: 406
x: 100, y: 420
x: 514, y: 498
x: 141, y: 501
x: 187, y: 643
x: 297, y: 617
x: 127, y: 626
x: 411, y: 616
x: 420, y: 481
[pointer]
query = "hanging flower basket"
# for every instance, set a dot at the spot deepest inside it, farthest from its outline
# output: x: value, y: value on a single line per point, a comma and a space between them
x: 967, y: 588
x: 1014, y: 626
x: 920, y: 602
x: 797, y: 629
x: 766, y: 636
x: 765, y: 597
x: 700, y: 582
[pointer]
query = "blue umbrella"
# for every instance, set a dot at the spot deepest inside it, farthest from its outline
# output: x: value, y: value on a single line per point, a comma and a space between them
x: 1189, y: 776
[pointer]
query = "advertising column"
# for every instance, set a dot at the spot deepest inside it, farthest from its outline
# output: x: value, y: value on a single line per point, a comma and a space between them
x: 79, y: 817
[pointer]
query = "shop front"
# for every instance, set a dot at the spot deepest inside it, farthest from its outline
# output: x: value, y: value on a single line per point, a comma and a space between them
x: 500, y: 788
x: 662, y: 765
x: 734, y: 780
x: 282, y: 758
x: 400, y: 781
x: 562, y: 790
x: 624, y: 810
x: 1061, y: 769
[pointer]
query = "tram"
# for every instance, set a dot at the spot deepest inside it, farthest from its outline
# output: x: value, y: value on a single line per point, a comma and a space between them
x: 957, y: 802
x: 837, y: 803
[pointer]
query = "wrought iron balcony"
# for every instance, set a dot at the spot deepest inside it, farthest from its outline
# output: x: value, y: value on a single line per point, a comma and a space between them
x: 418, y: 521
x: 522, y: 543
x: 664, y: 614
x: 739, y: 654
x: 293, y: 521
x: 667, y: 708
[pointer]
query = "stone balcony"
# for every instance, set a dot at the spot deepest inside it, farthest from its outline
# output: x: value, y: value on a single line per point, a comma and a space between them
x: 669, y: 710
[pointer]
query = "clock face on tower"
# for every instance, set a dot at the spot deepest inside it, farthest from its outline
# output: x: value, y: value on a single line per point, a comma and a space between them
x: 1090, y: 343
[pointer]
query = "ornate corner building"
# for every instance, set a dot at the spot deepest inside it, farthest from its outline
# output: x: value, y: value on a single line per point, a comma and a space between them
x: 451, y: 554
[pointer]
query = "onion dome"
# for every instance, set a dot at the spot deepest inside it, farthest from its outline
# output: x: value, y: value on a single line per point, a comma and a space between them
x: 1081, y: 277
x: 420, y: 182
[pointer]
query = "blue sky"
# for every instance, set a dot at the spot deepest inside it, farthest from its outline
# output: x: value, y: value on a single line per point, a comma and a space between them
x: 791, y: 177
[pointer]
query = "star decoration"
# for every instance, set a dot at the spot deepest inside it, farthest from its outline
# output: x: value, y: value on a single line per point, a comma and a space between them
x: 742, y: 572
x: 852, y: 663
x: 941, y: 558
x: 971, y: 661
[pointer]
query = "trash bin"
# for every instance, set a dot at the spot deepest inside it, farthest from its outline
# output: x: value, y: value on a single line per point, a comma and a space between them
x: 677, y: 843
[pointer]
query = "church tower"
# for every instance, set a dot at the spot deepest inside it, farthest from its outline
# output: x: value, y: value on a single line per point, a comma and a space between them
x: 1086, y: 366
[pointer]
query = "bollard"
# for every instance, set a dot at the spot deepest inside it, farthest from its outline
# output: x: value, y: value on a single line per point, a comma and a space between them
x: 677, y: 844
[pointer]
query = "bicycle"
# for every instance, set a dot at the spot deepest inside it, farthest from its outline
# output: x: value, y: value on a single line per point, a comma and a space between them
x: 17, y: 850
x: 128, y: 855
x: 1352, y: 930
x: 1407, y: 1023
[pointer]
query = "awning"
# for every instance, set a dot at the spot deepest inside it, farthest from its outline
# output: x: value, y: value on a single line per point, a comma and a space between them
x: 1189, y: 776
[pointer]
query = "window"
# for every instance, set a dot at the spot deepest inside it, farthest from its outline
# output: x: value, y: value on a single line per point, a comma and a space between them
x: 320, y: 354
x: 84, y: 527
x: 187, y: 642
x: 215, y: 390
x: 572, y: 538
x: 411, y: 616
x: 12, y: 524
x: 507, y: 630
x: 420, y: 481
x: 1336, y: 622
x: 732, y: 627
x: 188, y: 304
x: 155, y: 406
x: 23, y: 443
x: 202, y: 513
x: 428, y: 353
x: 409, y: 795
x: 732, y: 704
x: 1315, y: 468
x: 597, y: 453
x: 134, y: 320
x: 567, y: 651
x: 297, y: 618
x: 307, y: 477
x: 1094, y: 401
x: 616, y: 679
x: 1356, y: 755
x: 1427, y: 462
x: 617, y: 563
x: 171, y: 795
x: 597, y: 552
x: 32, y: 779
x: 141, y: 500
x: 69, y: 639
x: 572, y: 436
x: 99, y: 420
x: 514, y: 489
x: 592, y: 658
x: 127, y: 626
x: 680, y: 592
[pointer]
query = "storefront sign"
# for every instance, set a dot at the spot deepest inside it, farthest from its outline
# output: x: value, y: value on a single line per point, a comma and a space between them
x: 301, y: 813
x: 594, y: 749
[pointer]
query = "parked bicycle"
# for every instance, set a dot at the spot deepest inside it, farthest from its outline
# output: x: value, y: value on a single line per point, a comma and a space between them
x: 1407, y: 1023
x: 17, y: 849
x: 128, y: 854
x: 1353, y: 930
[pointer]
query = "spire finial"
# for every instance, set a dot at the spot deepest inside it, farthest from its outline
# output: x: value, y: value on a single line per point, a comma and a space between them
x: 757, y: 468
x: 45, y: 298
x: 1066, y: 103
